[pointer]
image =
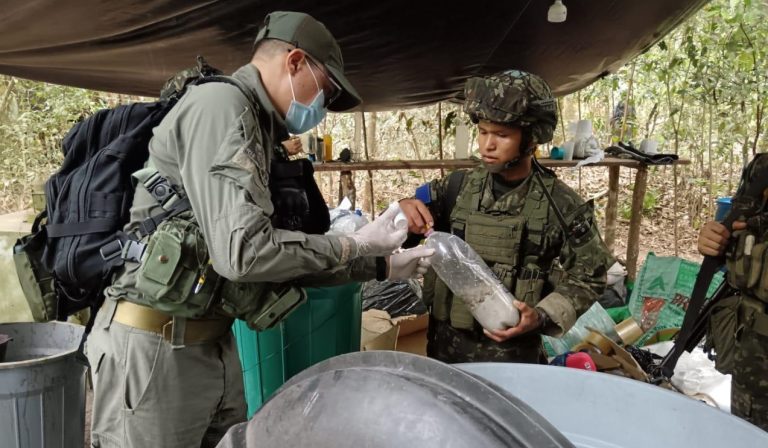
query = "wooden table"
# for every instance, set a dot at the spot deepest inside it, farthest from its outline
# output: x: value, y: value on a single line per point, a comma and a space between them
x: 613, y: 164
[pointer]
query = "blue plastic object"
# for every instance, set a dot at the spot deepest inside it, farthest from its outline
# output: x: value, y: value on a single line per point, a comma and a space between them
x: 557, y: 153
x: 423, y: 194
x: 723, y: 208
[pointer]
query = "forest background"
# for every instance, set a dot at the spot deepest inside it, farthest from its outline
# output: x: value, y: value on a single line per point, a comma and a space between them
x: 700, y: 92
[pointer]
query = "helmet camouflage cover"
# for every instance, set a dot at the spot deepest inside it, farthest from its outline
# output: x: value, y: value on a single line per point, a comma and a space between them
x: 513, y: 98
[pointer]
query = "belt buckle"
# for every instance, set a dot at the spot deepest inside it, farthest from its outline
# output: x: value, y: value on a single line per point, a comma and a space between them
x: 174, y: 332
x: 111, y: 250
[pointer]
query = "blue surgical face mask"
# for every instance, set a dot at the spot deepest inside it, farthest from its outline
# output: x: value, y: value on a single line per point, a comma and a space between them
x: 300, y: 118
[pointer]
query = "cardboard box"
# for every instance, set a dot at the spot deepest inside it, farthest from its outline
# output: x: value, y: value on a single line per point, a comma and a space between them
x: 413, y: 335
x: 405, y: 333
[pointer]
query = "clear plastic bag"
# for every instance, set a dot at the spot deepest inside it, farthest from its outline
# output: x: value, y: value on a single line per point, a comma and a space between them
x: 467, y: 275
x: 346, y: 223
x: 344, y: 220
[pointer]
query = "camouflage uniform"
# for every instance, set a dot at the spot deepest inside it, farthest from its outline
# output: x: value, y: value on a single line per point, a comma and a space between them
x: 515, y: 233
x: 564, y: 292
x: 749, y: 386
x: 740, y: 330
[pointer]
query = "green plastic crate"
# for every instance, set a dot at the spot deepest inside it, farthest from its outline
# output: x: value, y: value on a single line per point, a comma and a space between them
x: 328, y: 324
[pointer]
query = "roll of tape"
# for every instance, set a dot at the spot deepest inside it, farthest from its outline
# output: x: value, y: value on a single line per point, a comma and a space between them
x: 629, y: 331
x: 600, y: 342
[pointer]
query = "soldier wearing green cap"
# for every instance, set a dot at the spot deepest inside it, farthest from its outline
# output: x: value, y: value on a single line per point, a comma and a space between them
x: 163, y: 359
x: 555, y: 273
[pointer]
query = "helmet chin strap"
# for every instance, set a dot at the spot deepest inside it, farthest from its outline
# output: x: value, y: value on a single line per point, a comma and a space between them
x: 512, y: 163
x: 525, y: 142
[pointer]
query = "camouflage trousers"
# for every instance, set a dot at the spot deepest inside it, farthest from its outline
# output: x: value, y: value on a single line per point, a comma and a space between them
x: 451, y: 345
x: 749, y: 386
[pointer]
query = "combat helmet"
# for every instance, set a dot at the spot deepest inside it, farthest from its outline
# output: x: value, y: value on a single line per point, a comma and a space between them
x: 513, y: 98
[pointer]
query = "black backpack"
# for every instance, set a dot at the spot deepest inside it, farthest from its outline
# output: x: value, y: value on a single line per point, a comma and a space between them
x: 68, y: 259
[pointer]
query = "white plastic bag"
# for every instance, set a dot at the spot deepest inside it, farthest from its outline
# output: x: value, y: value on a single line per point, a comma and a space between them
x: 344, y: 220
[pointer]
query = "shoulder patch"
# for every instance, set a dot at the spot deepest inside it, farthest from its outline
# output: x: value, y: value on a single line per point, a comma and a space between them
x: 251, y: 158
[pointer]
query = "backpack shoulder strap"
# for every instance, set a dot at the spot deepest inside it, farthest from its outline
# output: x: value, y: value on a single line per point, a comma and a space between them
x: 452, y: 191
x: 231, y: 80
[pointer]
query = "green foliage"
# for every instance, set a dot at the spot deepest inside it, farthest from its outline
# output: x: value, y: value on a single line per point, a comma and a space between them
x: 700, y: 92
x: 651, y: 200
x: 34, y: 118
x: 710, y: 69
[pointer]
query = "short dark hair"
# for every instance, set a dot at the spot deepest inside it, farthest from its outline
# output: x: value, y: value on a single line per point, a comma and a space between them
x: 271, y: 47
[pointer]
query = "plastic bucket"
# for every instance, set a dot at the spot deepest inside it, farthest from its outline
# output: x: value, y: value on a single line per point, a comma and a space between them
x: 42, y: 386
x: 328, y: 324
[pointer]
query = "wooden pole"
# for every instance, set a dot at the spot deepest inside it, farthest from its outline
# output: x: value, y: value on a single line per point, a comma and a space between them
x: 370, y: 173
x: 578, y: 100
x: 440, y: 133
x: 562, y: 119
x: 347, y: 188
x: 612, y: 208
x: 674, y: 207
x: 636, y: 221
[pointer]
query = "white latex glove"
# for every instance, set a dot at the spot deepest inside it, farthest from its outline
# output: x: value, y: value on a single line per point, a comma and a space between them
x: 409, y: 263
x: 381, y: 237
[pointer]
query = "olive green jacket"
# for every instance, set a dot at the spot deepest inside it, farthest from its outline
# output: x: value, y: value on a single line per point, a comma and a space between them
x: 217, y: 144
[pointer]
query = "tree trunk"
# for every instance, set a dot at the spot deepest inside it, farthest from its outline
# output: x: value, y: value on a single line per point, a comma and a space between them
x: 710, y: 202
x: 368, y: 195
x: 758, y: 125
x: 440, y: 134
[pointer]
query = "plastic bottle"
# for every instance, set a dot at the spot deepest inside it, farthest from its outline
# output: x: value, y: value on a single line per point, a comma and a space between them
x: 327, y: 147
x: 401, y: 221
x: 467, y: 275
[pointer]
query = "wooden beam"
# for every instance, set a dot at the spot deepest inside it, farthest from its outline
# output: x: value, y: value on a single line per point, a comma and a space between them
x: 463, y: 163
x: 347, y: 187
x: 440, y: 133
x: 612, y: 208
x: 633, y: 239
x: 368, y: 158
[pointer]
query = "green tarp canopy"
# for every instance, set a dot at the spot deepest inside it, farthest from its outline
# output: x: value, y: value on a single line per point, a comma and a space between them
x: 398, y: 53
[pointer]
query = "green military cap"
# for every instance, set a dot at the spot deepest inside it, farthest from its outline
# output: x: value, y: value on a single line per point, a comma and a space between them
x: 304, y: 32
x: 513, y: 98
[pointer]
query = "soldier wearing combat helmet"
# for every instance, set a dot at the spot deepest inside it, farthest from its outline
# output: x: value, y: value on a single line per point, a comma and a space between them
x: 556, y: 273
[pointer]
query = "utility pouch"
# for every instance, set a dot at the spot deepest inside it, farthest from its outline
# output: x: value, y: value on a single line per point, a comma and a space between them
x: 747, y: 265
x: 260, y: 305
x: 441, y: 304
x: 721, y: 332
x: 496, y: 238
x: 758, y: 274
x: 529, y: 286
x: 737, y: 262
x: 428, y: 288
x: 175, y: 276
x: 36, y: 281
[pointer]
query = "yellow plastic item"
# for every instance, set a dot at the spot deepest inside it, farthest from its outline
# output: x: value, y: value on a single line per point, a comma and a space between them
x: 328, y: 147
